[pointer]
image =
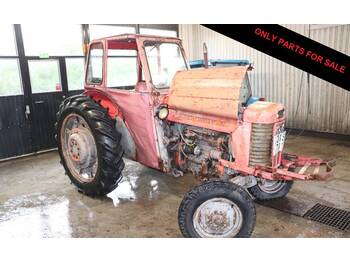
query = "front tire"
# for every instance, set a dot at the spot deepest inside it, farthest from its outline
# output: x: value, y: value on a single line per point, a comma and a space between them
x: 89, y: 145
x: 217, y: 209
x: 270, y: 189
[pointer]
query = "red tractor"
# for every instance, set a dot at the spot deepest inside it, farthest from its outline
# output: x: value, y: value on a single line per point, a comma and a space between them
x: 178, y: 121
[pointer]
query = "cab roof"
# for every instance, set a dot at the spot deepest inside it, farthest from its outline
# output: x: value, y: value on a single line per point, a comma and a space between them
x: 135, y: 36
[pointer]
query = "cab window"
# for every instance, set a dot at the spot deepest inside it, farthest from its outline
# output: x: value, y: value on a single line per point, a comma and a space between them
x: 122, y: 64
x: 122, y: 69
x: 164, y: 60
x: 246, y: 91
x: 95, y: 65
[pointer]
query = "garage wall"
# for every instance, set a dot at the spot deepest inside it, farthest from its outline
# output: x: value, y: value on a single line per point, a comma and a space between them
x: 311, y: 103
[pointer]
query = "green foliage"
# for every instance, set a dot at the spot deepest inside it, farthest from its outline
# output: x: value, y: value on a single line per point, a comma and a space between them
x: 75, y: 73
x: 121, y: 72
x: 10, y: 83
x: 44, y: 76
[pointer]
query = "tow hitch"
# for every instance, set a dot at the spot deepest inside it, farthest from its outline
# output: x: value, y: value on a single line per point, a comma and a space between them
x: 286, y: 171
x: 294, y: 161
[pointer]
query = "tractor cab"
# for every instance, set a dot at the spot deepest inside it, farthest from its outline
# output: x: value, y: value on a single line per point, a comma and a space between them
x: 130, y: 75
x: 134, y: 63
x: 142, y: 103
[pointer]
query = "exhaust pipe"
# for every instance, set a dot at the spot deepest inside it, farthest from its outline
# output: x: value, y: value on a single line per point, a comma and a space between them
x: 205, y: 55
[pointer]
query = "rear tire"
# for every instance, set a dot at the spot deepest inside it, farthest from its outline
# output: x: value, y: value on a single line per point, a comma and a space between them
x: 217, y: 209
x: 95, y: 146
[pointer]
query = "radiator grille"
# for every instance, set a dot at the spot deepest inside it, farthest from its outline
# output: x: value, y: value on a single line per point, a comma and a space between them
x: 261, y: 144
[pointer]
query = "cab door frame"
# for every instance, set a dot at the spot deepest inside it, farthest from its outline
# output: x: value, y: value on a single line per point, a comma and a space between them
x: 135, y: 107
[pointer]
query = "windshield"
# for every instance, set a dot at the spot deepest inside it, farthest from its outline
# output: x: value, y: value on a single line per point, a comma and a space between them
x: 164, y: 60
x: 246, y: 90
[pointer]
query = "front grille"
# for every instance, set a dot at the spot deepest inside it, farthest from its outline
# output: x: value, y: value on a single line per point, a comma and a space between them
x: 261, y: 144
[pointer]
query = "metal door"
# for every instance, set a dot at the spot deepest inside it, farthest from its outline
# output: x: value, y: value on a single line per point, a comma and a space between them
x: 47, y: 93
x: 15, y: 134
x: 15, y: 126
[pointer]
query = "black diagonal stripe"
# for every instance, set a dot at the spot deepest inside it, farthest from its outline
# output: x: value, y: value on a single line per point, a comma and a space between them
x: 292, y: 48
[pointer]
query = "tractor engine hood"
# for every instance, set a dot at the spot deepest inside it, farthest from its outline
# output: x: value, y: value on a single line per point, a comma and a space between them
x: 264, y: 113
x: 216, y: 92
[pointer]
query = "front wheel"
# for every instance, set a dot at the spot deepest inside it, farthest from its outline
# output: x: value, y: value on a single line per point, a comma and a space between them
x: 217, y: 209
x: 270, y: 189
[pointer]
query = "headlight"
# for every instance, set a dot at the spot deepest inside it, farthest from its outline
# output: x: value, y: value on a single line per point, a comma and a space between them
x: 163, y: 113
x: 280, y: 113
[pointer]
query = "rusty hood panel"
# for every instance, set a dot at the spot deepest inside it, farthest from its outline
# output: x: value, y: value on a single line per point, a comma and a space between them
x: 213, y: 92
x: 263, y: 112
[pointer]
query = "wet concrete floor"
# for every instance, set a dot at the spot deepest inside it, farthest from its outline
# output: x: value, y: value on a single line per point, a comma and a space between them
x: 37, y: 200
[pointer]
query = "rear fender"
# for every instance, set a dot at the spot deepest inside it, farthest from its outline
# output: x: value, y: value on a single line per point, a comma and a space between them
x: 106, y: 102
x: 127, y: 140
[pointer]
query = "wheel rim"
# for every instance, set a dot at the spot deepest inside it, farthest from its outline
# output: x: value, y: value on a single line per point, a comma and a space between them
x: 271, y: 186
x: 218, y: 217
x: 79, y: 148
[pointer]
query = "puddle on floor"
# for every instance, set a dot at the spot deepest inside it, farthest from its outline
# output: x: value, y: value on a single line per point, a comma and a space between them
x: 127, y: 190
x: 35, y: 216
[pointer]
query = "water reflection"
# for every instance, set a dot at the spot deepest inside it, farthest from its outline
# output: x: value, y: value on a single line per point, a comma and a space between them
x: 29, y: 216
x: 125, y: 190
x: 154, y: 192
x: 134, y: 187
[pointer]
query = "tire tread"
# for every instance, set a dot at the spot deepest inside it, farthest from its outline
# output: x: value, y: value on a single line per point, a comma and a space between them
x: 220, y: 187
x: 108, y: 142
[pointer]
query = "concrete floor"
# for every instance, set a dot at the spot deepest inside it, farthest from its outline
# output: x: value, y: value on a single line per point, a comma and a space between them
x: 37, y: 200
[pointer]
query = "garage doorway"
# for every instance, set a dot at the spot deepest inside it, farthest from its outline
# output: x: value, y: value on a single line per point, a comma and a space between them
x: 40, y: 65
x: 32, y: 86
x: 46, y: 96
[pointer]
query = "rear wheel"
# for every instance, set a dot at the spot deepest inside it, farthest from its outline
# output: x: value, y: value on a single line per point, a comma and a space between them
x: 217, y: 209
x: 89, y: 146
x: 270, y: 189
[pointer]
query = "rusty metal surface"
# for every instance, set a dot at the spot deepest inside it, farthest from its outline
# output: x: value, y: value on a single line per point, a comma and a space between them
x: 287, y: 170
x: 214, y: 123
x: 213, y: 91
x: 263, y: 112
